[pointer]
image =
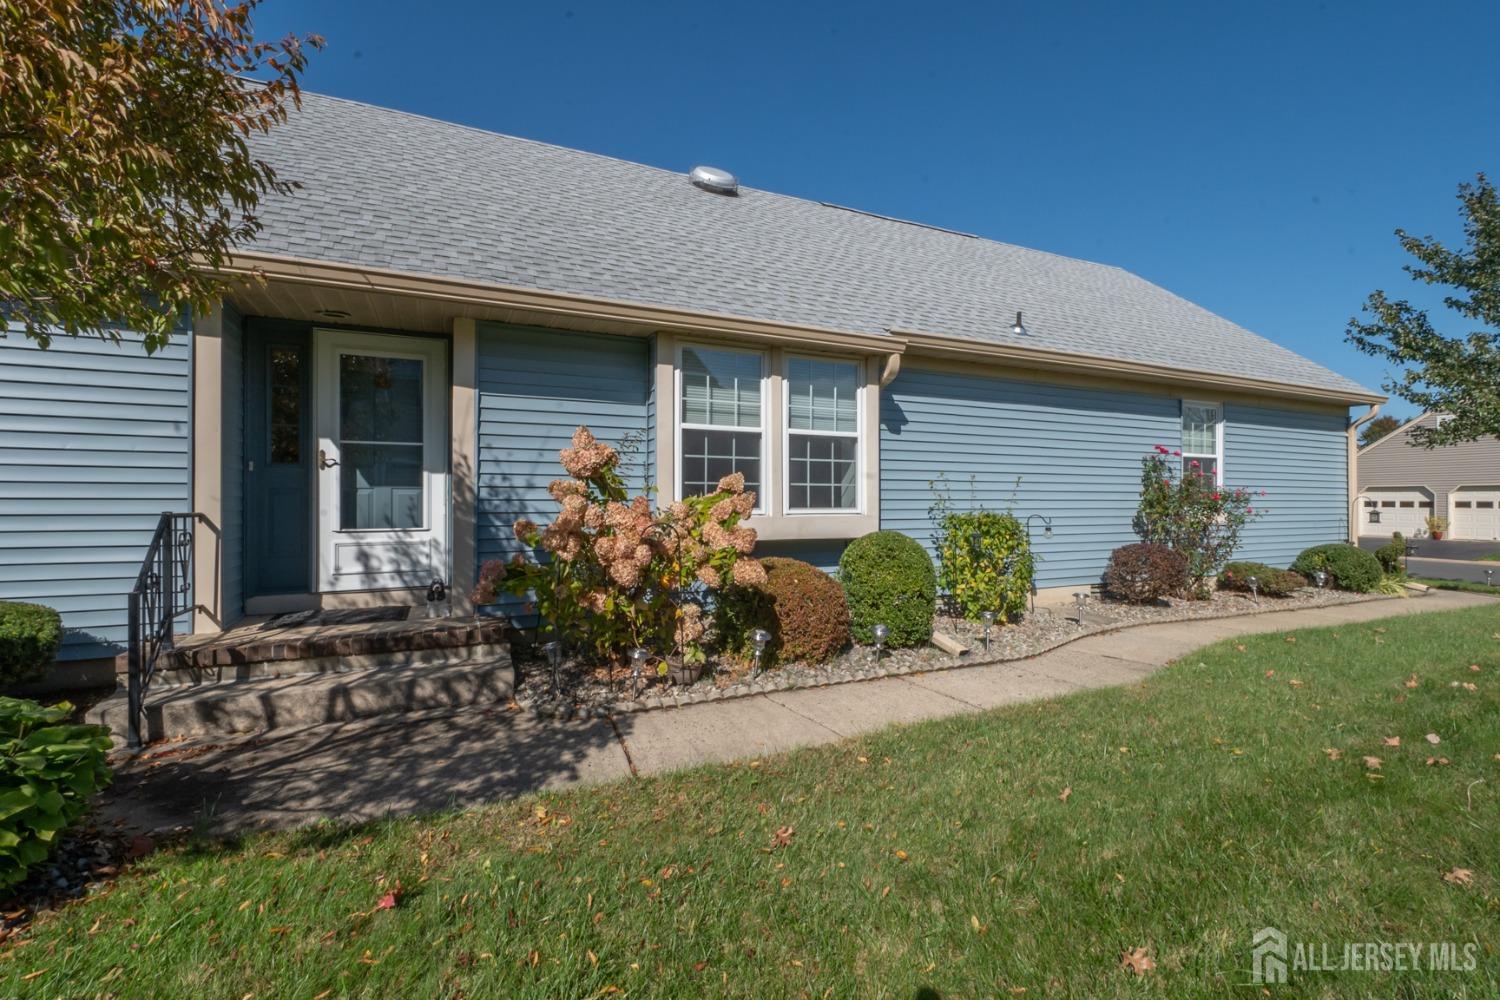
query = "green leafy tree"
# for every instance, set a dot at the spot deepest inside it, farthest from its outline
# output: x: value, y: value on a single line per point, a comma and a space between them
x: 1377, y: 429
x: 1458, y: 375
x: 125, y: 174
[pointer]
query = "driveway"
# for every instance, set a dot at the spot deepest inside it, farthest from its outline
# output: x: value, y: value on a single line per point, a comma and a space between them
x: 1448, y: 548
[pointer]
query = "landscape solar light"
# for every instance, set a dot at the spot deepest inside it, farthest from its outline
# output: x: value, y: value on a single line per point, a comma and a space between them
x: 638, y: 657
x: 988, y: 617
x: 1254, y: 584
x: 553, y: 651
x: 881, y: 632
x: 1320, y: 578
x: 1046, y: 533
x: 760, y: 637
x: 1409, y: 551
x: 1080, y: 596
x: 1489, y: 578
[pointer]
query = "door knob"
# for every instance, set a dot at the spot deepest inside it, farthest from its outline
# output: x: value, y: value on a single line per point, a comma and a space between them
x: 324, y: 462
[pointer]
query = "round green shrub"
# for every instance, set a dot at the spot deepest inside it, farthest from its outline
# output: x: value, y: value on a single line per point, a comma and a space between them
x: 29, y: 637
x: 1144, y: 572
x: 889, y: 580
x: 1269, y: 581
x: 1348, y: 567
x: 1390, y: 554
x: 800, y: 605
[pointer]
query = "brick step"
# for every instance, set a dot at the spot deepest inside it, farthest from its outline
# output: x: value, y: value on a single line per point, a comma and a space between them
x: 310, y: 699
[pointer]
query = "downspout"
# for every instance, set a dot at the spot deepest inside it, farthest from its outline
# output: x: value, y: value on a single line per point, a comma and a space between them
x: 1354, y: 426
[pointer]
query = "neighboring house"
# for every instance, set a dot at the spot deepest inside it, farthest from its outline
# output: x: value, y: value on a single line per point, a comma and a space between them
x: 420, y: 328
x: 1401, y: 484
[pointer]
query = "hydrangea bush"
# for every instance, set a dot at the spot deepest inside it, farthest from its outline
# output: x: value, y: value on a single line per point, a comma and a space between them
x: 1191, y: 514
x: 616, y: 572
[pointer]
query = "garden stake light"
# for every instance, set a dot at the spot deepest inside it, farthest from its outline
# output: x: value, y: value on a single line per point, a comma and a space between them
x: 1080, y: 596
x: 880, y: 633
x: 553, y: 651
x: 988, y: 617
x: 761, y: 637
x: 1254, y: 583
x: 1320, y: 578
x: 1489, y: 578
x: 1046, y: 533
x: 638, y: 657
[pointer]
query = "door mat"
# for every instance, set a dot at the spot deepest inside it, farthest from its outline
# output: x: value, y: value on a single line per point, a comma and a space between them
x: 316, y: 618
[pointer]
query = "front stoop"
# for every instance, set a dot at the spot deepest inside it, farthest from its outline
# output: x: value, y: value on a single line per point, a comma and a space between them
x: 298, y: 678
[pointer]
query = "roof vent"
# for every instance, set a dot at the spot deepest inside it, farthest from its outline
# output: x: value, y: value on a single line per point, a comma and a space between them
x: 715, y: 180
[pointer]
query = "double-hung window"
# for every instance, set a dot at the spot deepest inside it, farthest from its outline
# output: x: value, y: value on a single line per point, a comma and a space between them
x: 721, y: 428
x: 1203, y: 440
x: 822, y: 435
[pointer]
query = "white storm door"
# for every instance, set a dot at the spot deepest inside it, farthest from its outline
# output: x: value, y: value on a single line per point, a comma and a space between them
x: 382, y: 428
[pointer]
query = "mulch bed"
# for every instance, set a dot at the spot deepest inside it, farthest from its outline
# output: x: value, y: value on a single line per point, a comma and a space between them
x: 586, y: 689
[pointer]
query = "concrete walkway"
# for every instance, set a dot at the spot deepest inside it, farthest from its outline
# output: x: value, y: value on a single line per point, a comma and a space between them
x: 408, y: 764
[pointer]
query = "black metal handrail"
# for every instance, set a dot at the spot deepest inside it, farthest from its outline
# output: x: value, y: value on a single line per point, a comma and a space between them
x: 162, y: 592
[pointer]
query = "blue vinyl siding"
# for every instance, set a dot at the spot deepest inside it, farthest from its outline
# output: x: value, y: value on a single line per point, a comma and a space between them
x: 94, y: 445
x: 535, y: 387
x: 1300, y: 458
x: 232, y: 530
x: 1076, y: 452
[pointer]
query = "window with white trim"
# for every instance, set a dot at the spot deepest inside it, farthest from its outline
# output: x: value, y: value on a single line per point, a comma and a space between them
x: 721, y: 426
x: 822, y: 435
x: 1203, y: 440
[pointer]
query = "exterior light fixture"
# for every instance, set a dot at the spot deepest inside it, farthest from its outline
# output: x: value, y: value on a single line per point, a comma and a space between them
x: 1254, y: 584
x: 760, y: 637
x: 553, y: 651
x: 988, y: 617
x: 1080, y: 596
x: 1018, y: 328
x: 1320, y: 578
x: 1046, y: 533
x: 881, y: 632
x: 1489, y: 578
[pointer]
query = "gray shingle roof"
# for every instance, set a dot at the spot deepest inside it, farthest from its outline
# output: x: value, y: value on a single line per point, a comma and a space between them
x: 387, y: 189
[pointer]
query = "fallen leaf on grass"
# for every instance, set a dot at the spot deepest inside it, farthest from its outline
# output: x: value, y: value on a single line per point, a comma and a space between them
x: 1291, y: 638
x: 388, y: 901
x: 1459, y: 876
x: 978, y: 927
x: 1437, y: 760
x: 1295, y: 683
x: 1137, y: 961
x: 1333, y: 753
x: 1412, y: 681
x: 1433, y: 738
x: 1065, y: 793
x: 1270, y: 673
x: 782, y: 836
x: 900, y: 855
x: 1392, y: 741
x: 1470, y: 687
x: 1373, y: 763
x: 1474, y: 668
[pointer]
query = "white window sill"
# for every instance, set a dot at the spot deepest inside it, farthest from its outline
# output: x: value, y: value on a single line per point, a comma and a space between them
x: 812, y: 527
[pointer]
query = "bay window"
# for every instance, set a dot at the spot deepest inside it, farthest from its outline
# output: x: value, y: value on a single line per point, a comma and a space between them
x: 822, y: 435
x: 1203, y: 440
x: 721, y: 424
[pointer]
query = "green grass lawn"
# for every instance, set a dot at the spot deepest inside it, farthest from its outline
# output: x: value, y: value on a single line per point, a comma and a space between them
x: 1022, y: 849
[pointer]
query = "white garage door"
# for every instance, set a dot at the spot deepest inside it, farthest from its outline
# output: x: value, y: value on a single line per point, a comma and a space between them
x: 1475, y: 512
x: 1385, y: 510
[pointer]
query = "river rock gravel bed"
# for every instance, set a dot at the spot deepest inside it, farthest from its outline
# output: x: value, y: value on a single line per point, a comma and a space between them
x: 584, y: 689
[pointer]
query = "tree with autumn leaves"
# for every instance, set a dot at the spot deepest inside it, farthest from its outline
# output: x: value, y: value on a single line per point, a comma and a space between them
x: 126, y: 177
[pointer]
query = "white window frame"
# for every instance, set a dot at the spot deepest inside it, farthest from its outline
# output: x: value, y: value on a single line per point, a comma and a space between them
x: 1218, y: 455
x: 785, y: 416
x: 767, y: 469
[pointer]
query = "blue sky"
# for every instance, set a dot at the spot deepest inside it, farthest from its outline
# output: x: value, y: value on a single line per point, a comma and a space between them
x: 1252, y: 157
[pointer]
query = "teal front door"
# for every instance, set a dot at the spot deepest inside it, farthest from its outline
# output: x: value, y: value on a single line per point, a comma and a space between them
x: 279, y: 461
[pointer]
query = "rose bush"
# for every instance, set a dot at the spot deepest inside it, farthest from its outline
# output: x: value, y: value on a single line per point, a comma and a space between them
x: 1191, y: 514
x: 617, y: 573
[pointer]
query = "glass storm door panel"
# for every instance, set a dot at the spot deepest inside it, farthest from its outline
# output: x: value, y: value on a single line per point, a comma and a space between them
x: 382, y: 461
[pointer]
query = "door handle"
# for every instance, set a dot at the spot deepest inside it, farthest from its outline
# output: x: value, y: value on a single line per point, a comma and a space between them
x: 324, y: 462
